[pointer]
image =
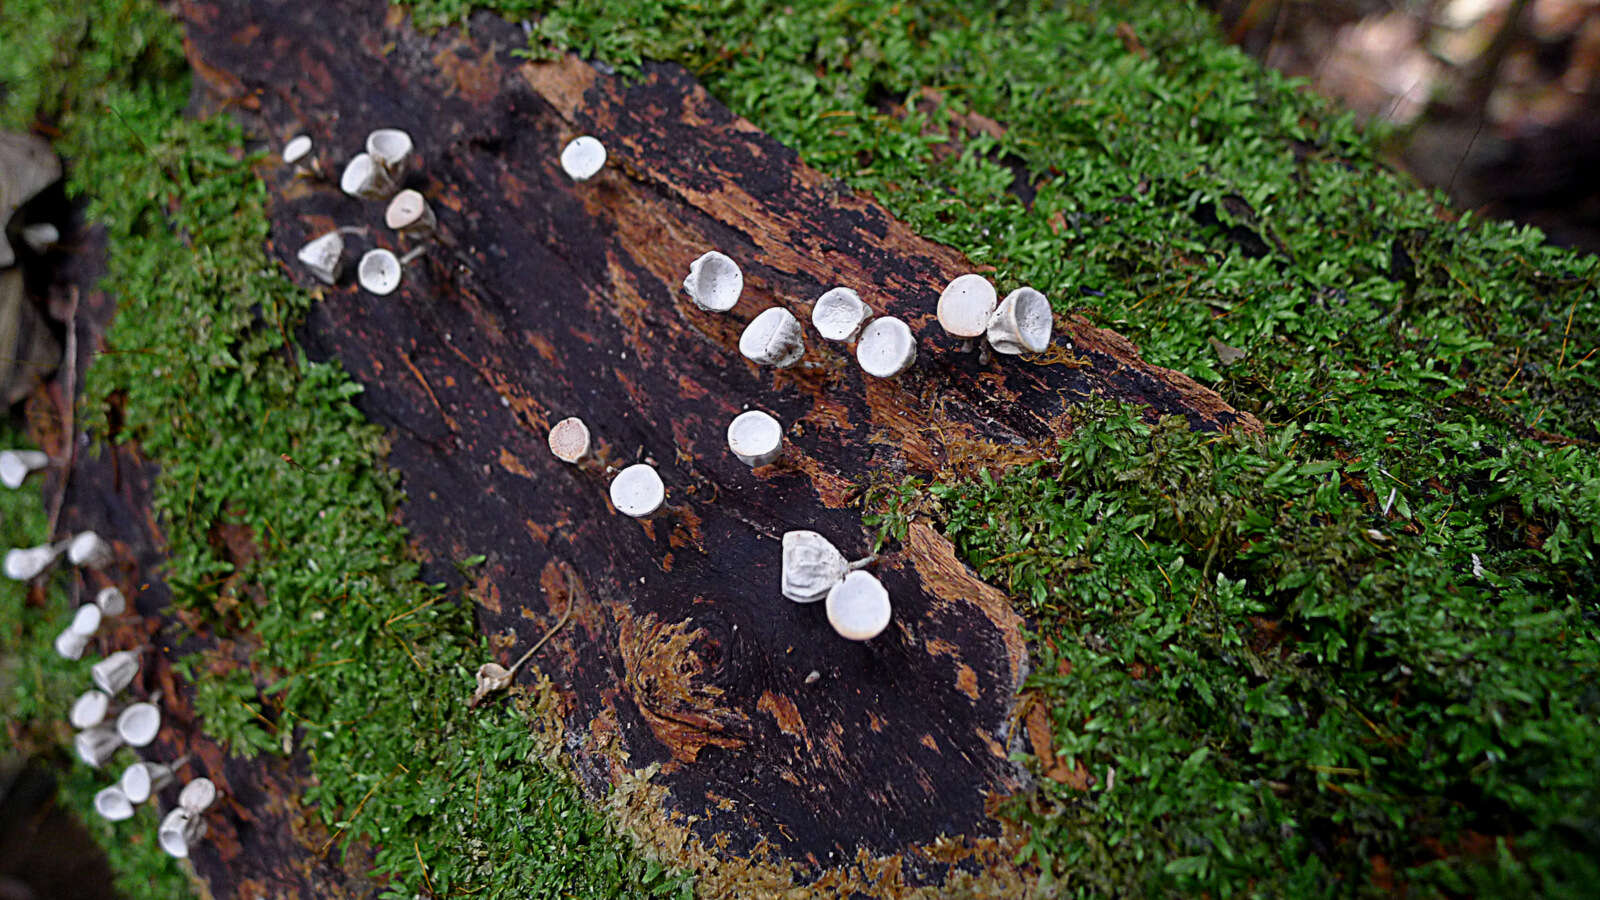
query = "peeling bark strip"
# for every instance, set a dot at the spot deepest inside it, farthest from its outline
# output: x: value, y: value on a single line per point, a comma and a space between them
x: 544, y: 299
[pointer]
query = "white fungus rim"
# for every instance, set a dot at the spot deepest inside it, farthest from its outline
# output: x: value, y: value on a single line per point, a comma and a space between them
x: 180, y: 828
x: 89, y: 709
x: 297, y: 148
x: 86, y: 621
x: 198, y: 795
x: 886, y: 347
x: 755, y: 437
x: 638, y: 491
x: 408, y: 210
x: 583, y: 157
x: 858, y: 607
x: 389, y: 147
x: 839, y: 314
x: 714, y: 282
x: 111, y: 601
x: 965, y: 305
x: 89, y: 549
x: 569, y: 439
x: 379, y: 271
x: 1022, y: 323
x: 136, y: 782
x: 773, y: 338
x: 139, y: 724
x: 112, y: 804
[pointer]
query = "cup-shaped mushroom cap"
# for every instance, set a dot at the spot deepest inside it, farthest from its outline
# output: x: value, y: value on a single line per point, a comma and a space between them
x: 569, y: 440
x: 638, y: 491
x: 409, y: 213
x: 1021, y: 323
x: 90, y: 550
x: 364, y: 178
x: 142, y: 779
x: 197, y: 795
x: 15, y: 465
x: 389, y: 148
x: 41, y: 236
x: 379, y: 271
x: 714, y: 282
x: 139, y: 723
x: 811, y: 566
x: 25, y: 563
x: 858, y: 607
x: 298, y: 148
x: 886, y: 348
x: 112, y: 804
x: 773, y: 338
x: 115, y: 672
x: 755, y: 437
x: 324, y: 256
x: 839, y: 314
x: 89, y: 709
x: 96, y: 745
x: 583, y: 157
x: 86, y: 621
x: 965, y: 306
x: 111, y: 602
x: 70, y: 644
x: 179, y: 831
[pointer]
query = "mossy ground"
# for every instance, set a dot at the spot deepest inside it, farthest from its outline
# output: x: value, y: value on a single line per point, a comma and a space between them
x: 1357, y: 652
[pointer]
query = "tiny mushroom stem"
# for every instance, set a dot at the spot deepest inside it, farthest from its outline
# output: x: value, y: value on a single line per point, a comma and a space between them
x: 773, y: 338
x: 364, y: 178
x: 111, y: 601
x: 115, y: 672
x: 96, y: 745
x: 569, y: 440
x: 755, y: 438
x: 324, y: 256
x: 840, y: 314
x: 410, y: 214
x: 858, y: 607
x: 379, y: 271
x: 89, y: 709
x: 714, y: 282
x: 17, y: 465
x: 138, y: 724
x: 390, y: 148
x: 90, y: 551
x: 965, y: 306
x: 1021, y: 323
x: 886, y: 348
x: 180, y: 831
x: 638, y: 491
x: 112, y: 804
x: 583, y: 157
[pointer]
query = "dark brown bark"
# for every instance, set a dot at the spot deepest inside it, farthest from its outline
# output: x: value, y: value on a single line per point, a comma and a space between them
x: 542, y: 298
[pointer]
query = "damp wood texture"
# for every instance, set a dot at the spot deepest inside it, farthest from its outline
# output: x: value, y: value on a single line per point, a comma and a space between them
x: 541, y: 298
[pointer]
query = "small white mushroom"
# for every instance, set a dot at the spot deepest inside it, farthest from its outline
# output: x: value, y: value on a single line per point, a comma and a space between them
x: 70, y: 644
x: 363, y: 177
x: 112, y: 804
x: 1021, y: 323
x: 297, y: 149
x: 138, y: 724
x: 41, y: 236
x: 858, y: 607
x: 390, y: 148
x: 324, y: 256
x: 886, y: 348
x: 569, y: 440
x: 379, y: 271
x: 96, y: 745
x: 115, y: 672
x: 86, y: 621
x: 811, y: 566
x: 755, y: 437
x: 583, y: 157
x: 111, y: 602
x: 714, y: 282
x: 773, y: 338
x: 17, y: 465
x: 142, y: 779
x: 89, y: 709
x: 409, y: 213
x: 89, y: 550
x: 965, y: 306
x: 198, y: 795
x: 180, y: 831
x: 26, y: 563
x: 638, y: 491
x: 839, y: 314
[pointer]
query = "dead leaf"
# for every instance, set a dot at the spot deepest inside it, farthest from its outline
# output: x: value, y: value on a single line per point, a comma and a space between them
x: 1226, y: 354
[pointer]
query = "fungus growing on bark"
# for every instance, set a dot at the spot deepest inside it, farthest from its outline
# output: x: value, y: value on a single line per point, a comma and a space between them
x: 773, y: 338
x: 965, y: 306
x: 364, y: 178
x: 142, y: 779
x: 569, y: 440
x: 583, y: 157
x: 138, y: 724
x: 389, y: 148
x: 714, y: 282
x: 297, y: 149
x: 812, y: 566
x: 198, y: 795
x: 115, y: 672
x: 839, y: 314
x: 112, y: 804
x: 41, y: 236
x: 70, y: 645
x: 25, y: 563
x: 858, y: 607
x: 89, y: 709
x: 379, y: 272
x: 17, y: 465
x: 324, y: 256
x: 86, y: 620
x: 638, y: 491
x: 410, y: 214
x: 886, y: 348
x: 180, y: 831
x: 1021, y: 323
x: 755, y: 437
x: 111, y: 602
x: 96, y: 745
x: 89, y: 550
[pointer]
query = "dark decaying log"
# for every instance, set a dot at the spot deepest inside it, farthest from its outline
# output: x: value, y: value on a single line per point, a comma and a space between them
x: 542, y: 298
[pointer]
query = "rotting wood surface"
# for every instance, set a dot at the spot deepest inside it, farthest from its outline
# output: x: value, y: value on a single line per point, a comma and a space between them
x: 542, y: 298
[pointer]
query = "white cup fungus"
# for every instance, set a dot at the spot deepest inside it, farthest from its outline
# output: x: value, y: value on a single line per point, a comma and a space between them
x: 714, y: 282
x: 638, y: 491
x: 886, y: 347
x: 773, y: 338
x: 839, y: 314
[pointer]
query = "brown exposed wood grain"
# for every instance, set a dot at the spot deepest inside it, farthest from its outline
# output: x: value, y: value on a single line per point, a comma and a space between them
x: 777, y: 753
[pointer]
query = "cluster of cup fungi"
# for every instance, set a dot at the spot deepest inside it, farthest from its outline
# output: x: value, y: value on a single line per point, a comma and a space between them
x: 857, y: 604
x: 104, y: 722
